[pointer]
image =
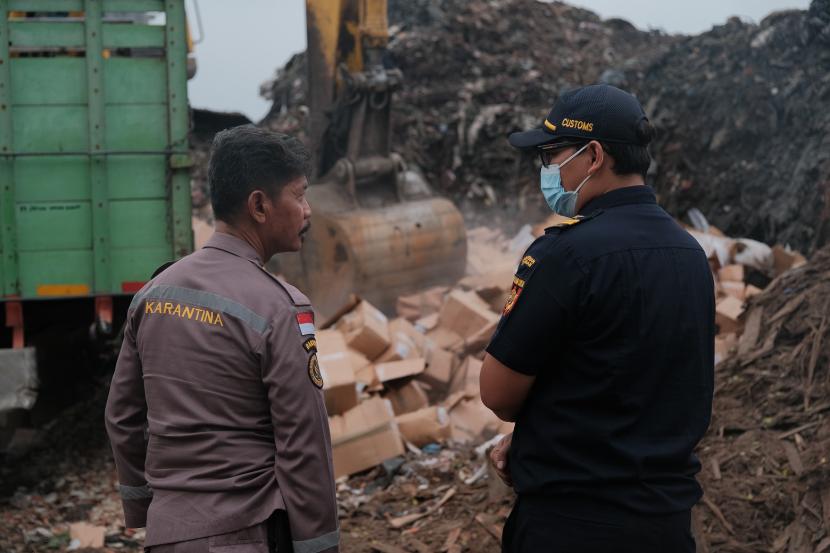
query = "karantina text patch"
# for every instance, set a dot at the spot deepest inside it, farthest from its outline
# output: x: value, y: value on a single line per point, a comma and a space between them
x: 199, y: 314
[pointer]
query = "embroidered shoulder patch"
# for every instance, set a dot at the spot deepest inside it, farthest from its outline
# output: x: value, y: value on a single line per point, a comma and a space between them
x: 314, y: 371
x: 310, y: 345
x: 515, y: 292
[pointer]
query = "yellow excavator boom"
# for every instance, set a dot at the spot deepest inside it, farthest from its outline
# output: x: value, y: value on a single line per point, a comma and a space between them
x: 376, y: 229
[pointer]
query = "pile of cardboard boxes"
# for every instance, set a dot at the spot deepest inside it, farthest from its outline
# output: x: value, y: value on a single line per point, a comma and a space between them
x: 393, y: 385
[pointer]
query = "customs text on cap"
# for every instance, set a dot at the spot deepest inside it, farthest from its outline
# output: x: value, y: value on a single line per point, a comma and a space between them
x: 596, y: 112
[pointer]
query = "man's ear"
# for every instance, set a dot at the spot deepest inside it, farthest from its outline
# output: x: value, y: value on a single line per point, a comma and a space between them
x: 256, y: 205
x: 597, y: 156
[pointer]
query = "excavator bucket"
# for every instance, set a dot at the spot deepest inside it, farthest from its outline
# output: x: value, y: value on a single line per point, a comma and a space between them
x: 378, y: 254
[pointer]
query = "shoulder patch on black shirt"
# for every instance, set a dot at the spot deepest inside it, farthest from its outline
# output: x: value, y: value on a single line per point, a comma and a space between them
x: 526, y: 268
x: 562, y: 222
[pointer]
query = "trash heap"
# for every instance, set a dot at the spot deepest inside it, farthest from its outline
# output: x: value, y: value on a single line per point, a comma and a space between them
x: 743, y: 113
x: 765, y: 459
x: 474, y: 71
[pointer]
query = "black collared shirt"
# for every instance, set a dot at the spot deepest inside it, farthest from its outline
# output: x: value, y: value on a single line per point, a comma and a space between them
x: 614, y: 316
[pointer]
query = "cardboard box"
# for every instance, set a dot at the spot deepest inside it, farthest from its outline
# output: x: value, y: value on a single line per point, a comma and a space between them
x: 425, y: 426
x: 440, y: 365
x: 467, y: 378
x: 751, y: 291
x: 424, y: 303
x: 733, y: 273
x: 406, y: 397
x: 472, y: 421
x: 425, y: 324
x: 364, y: 437
x: 402, y: 326
x: 465, y: 314
x: 727, y: 315
x: 339, y: 383
x: 493, y: 288
x: 369, y: 378
x: 402, y: 342
x: 445, y: 338
x: 785, y: 259
x: 734, y: 289
x: 724, y: 344
x: 366, y: 329
x: 394, y: 370
x: 358, y: 360
x: 478, y: 342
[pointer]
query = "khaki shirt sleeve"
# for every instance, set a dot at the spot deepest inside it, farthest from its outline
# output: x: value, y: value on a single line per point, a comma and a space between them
x: 301, y: 434
x: 126, y: 421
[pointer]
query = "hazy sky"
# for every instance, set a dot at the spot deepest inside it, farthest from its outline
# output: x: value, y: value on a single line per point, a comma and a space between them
x: 245, y: 41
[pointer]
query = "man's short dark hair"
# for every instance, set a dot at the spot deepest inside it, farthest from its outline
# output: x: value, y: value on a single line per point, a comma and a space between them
x: 632, y: 158
x: 629, y: 159
x: 247, y: 158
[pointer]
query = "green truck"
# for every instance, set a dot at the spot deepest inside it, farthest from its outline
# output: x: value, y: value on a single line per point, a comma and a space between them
x: 94, y: 165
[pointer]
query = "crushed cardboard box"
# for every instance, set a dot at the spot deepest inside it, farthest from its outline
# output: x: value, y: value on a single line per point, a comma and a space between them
x: 465, y: 314
x: 394, y: 370
x: 339, y: 383
x: 416, y: 306
x: 366, y: 329
x: 364, y: 437
x: 728, y: 313
x: 467, y: 378
x: 406, y: 397
x: 424, y: 426
x: 440, y: 365
x: 87, y: 535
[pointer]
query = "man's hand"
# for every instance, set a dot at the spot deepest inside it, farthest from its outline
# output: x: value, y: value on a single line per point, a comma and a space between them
x: 498, y: 458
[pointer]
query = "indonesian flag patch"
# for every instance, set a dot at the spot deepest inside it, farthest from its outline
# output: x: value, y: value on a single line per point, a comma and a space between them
x: 306, y: 322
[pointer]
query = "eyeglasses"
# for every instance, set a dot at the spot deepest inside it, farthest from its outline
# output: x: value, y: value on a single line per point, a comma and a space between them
x: 549, y: 151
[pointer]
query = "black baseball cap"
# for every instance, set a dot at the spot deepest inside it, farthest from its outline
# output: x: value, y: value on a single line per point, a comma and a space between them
x: 596, y: 112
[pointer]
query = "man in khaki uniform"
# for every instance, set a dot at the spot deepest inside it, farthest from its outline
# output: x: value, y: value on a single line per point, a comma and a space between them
x: 215, y: 412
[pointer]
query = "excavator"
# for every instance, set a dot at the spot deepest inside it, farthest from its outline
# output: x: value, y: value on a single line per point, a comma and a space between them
x: 377, y: 230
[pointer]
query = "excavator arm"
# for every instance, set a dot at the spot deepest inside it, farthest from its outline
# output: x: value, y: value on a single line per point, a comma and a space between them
x: 376, y: 228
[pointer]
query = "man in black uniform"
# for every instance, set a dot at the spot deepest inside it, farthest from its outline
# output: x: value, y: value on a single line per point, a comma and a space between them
x: 604, y: 354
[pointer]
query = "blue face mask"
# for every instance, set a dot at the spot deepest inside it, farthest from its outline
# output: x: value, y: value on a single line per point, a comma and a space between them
x: 560, y: 200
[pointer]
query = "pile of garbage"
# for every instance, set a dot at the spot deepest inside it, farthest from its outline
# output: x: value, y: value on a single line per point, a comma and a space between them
x: 766, y: 474
x: 474, y: 71
x: 743, y: 113
x: 741, y: 110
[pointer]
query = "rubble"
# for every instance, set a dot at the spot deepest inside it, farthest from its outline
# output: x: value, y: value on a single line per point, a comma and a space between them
x: 765, y: 458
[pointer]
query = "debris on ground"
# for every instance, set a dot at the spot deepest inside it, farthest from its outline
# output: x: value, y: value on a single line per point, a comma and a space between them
x: 765, y: 459
x: 410, y: 434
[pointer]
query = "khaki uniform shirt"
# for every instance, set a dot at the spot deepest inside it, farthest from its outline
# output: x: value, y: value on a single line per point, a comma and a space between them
x: 215, y: 412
